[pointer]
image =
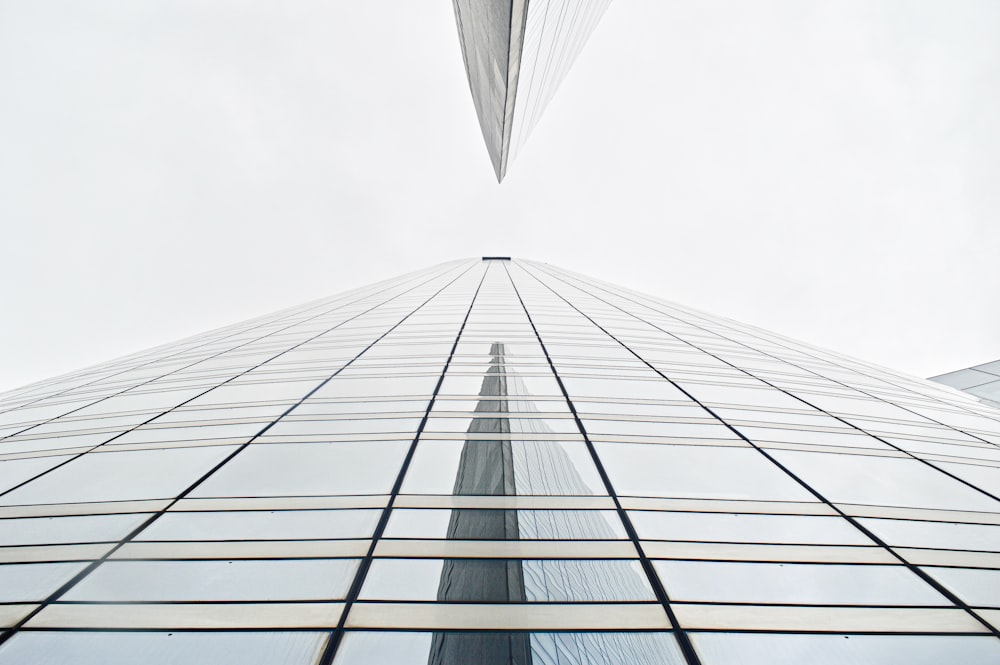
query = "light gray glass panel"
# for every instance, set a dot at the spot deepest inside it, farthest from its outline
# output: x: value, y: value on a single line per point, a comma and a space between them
x: 883, y: 481
x: 738, y: 528
x: 146, y: 474
x: 977, y: 587
x: 163, y: 648
x: 399, y: 648
x: 938, y: 535
x: 77, y: 529
x: 761, y: 396
x: 983, y: 477
x: 301, y: 579
x: 345, y: 386
x: 763, y: 649
x: 990, y: 367
x: 291, y: 428
x: 297, y: 469
x: 320, y: 408
x: 658, y: 429
x: 964, y: 379
x: 696, y: 472
x: 241, y: 393
x: 263, y: 525
x: 653, y: 389
x: 34, y: 582
x: 15, y: 471
x: 794, y: 583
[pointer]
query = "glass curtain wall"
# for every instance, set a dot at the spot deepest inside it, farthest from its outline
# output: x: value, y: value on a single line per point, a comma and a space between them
x: 497, y: 462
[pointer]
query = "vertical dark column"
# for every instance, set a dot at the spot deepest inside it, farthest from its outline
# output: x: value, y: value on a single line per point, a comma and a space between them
x: 485, y: 468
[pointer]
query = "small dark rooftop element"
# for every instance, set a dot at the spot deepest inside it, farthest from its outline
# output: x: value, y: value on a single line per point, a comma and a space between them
x: 496, y: 258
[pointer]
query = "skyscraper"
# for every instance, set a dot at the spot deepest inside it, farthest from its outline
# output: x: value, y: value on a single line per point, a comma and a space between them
x: 516, y: 54
x: 983, y: 380
x: 495, y: 461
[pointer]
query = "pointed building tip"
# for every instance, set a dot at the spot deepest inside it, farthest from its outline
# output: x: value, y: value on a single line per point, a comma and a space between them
x: 502, y: 43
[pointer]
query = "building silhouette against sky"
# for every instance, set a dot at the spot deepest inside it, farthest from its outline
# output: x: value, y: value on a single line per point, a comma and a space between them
x: 495, y: 461
x: 517, y: 53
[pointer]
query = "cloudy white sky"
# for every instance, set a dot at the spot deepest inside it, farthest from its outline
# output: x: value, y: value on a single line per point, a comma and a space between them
x: 825, y: 169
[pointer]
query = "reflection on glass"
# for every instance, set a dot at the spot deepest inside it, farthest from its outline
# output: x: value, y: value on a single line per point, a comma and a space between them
x: 532, y: 524
x: 498, y: 468
x: 410, y: 648
x: 544, y: 581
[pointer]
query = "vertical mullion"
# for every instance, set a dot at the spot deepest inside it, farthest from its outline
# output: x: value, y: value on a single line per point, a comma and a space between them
x: 76, y: 579
x: 917, y: 570
x: 683, y: 640
x: 218, y: 385
x: 359, y: 578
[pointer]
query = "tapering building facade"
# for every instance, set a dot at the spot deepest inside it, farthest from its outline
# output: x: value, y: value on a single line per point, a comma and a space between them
x: 517, y: 53
x: 497, y: 462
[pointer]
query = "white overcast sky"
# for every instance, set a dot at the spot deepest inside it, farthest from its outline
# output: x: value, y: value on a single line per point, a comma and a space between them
x: 829, y: 169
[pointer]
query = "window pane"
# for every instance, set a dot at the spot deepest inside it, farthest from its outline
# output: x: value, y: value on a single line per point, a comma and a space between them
x: 76, y: 529
x: 737, y: 528
x: 162, y: 648
x: 795, y: 583
x: 146, y: 474
x: 399, y: 648
x: 979, y: 588
x: 296, y: 469
x: 532, y: 524
x: 158, y: 581
x: 506, y: 580
x: 263, y: 525
x: 883, y: 481
x: 696, y: 472
x: 34, y: 582
x: 758, y: 649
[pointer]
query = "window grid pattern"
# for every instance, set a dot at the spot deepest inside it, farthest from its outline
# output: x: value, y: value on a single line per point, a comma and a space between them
x: 499, y: 461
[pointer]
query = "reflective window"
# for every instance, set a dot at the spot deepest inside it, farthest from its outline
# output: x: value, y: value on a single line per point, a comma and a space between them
x: 505, y: 580
x: 122, y: 476
x: 530, y: 467
x: 76, y: 529
x: 291, y: 469
x: 883, y: 481
x: 15, y: 471
x: 263, y: 525
x: 163, y: 648
x: 796, y: 583
x: 937, y: 535
x: 34, y: 582
x: 161, y: 581
x: 399, y: 648
x: 764, y: 649
x: 531, y: 524
x: 736, y: 528
x: 977, y: 587
x: 696, y: 472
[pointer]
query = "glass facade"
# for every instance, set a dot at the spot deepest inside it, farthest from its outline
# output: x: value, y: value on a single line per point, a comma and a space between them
x: 497, y: 462
x: 983, y: 381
